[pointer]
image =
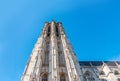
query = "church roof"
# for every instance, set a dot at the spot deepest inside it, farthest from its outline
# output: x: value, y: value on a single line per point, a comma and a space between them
x: 99, y: 63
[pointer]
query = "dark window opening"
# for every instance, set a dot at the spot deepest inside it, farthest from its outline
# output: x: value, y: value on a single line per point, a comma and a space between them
x: 57, y: 32
x: 48, y: 33
x: 62, y: 77
x: 44, y: 78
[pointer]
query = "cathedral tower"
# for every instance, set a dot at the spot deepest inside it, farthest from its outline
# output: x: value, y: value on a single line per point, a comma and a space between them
x: 52, y: 57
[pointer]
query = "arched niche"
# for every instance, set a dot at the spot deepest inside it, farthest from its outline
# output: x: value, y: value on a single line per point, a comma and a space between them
x: 88, y: 76
x: 44, y: 76
x: 62, y: 77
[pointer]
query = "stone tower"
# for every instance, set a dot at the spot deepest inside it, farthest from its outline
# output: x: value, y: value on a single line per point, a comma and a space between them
x: 52, y: 57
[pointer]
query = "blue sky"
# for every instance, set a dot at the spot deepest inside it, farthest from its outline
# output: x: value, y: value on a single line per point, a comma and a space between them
x: 92, y: 26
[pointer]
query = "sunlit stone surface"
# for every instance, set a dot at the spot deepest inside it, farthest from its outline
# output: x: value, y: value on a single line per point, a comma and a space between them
x: 53, y: 59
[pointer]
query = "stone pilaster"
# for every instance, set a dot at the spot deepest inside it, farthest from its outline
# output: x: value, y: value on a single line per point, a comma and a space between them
x: 72, y: 72
x: 54, y: 53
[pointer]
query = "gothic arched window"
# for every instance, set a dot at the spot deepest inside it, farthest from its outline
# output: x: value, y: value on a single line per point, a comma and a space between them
x: 88, y: 76
x: 45, y: 77
x: 62, y: 77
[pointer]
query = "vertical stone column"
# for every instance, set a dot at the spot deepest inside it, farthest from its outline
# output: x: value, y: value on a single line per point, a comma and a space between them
x: 76, y: 62
x: 72, y: 72
x: 54, y: 54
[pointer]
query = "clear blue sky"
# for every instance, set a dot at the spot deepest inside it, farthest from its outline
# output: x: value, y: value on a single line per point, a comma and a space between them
x: 92, y: 26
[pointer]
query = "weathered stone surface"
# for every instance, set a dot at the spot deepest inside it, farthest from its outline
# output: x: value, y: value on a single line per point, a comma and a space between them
x: 53, y: 59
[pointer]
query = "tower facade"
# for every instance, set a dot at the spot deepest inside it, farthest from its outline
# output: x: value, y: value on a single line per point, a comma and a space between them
x: 52, y: 57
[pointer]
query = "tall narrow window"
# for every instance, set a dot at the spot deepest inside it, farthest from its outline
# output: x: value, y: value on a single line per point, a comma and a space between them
x: 62, y: 77
x: 44, y: 77
x: 48, y: 33
x: 61, y: 59
x: 46, y: 58
x: 57, y: 32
